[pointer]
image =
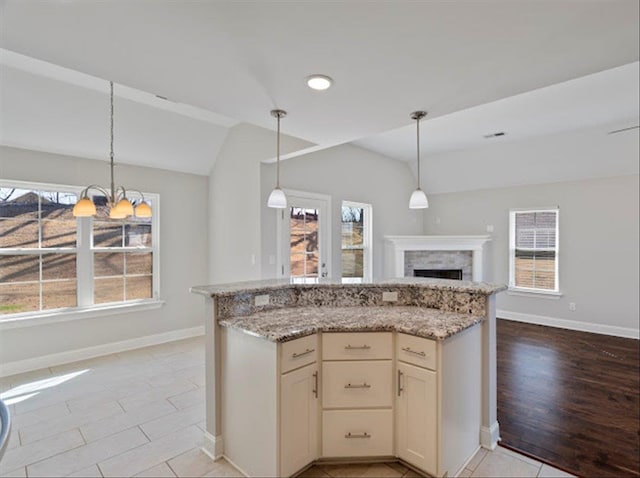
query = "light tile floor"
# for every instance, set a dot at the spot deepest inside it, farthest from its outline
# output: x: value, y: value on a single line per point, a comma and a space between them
x: 141, y: 413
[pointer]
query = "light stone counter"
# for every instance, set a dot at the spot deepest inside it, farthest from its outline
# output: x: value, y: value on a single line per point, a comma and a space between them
x: 280, y: 310
x: 281, y: 325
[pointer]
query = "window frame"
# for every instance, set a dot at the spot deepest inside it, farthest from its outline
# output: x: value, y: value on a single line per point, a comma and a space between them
x: 518, y: 290
x: 367, y: 242
x: 84, y: 251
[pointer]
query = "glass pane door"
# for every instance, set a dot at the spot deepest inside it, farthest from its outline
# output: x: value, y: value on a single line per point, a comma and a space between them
x: 305, y: 250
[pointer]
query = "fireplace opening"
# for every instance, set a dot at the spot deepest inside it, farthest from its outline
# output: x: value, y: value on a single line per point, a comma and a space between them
x: 455, y: 274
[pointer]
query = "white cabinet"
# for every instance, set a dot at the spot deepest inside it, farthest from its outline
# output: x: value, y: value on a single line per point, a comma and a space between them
x: 438, y: 402
x: 416, y: 417
x: 357, y: 376
x: 298, y: 419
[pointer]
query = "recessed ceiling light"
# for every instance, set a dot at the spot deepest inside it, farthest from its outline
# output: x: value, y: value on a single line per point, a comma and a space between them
x: 319, y: 82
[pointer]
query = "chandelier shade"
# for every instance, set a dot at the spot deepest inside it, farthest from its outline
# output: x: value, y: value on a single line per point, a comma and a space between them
x: 120, y: 206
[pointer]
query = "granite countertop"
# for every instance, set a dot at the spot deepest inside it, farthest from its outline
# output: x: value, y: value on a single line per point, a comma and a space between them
x: 217, y: 290
x: 282, y: 325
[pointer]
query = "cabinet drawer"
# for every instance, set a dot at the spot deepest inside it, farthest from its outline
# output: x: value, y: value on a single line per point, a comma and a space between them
x: 357, y: 433
x: 299, y: 352
x: 357, y: 384
x: 416, y: 350
x: 357, y: 346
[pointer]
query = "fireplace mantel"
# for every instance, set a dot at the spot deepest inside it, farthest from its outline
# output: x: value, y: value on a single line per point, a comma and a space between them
x: 396, y: 246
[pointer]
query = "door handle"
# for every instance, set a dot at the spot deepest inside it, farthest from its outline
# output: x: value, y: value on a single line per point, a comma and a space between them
x: 400, y: 388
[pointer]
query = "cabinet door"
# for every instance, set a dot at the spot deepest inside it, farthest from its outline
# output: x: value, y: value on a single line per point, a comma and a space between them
x: 298, y: 419
x: 416, y: 412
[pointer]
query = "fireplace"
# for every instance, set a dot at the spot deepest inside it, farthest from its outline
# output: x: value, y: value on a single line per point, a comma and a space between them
x: 455, y: 274
x: 405, y: 254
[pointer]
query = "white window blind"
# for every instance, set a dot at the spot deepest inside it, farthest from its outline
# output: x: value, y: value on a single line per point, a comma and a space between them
x: 534, y: 249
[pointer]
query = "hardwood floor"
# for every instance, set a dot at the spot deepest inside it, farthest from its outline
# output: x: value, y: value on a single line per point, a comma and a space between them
x: 570, y: 398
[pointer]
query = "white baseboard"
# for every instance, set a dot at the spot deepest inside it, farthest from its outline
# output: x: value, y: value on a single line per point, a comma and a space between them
x: 213, y: 446
x: 44, y: 361
x: 490, y: 436
x: 569, y: 324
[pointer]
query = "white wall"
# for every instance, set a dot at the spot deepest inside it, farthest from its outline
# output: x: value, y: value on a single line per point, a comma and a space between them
x: 346, y: 173
x: 599, y: 237
x: 235, y: 202
x: 568, y: 156
x: 183, y: 254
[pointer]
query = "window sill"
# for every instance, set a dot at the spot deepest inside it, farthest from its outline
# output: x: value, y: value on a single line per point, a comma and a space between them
x: 64, y: 315
x: 543, y: 294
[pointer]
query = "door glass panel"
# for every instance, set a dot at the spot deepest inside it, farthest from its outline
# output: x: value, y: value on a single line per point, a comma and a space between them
x: 304, y: 251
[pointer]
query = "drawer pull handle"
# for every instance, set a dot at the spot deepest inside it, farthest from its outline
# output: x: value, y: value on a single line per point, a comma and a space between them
x: 315, y: 385
x: 400, y: 388
x: 357, y: 435
x: 408, y: 350
x: 302, y: 354
x: 362, y: 385
x: 358, y: 347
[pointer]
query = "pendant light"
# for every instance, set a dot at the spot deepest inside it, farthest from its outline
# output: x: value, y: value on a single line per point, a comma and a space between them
x: 277, y: 199
x: 418, y: 198
x: 119, y: 205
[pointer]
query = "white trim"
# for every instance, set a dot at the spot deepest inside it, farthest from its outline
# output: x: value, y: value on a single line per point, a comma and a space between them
x: 489, y: 437
x: 570, y: 324
x: 244, y: 473
x: 44, y: 361
x: 29, y: 319
x: 397, y: 245
x: 213, y: 446
x: 543, y: 294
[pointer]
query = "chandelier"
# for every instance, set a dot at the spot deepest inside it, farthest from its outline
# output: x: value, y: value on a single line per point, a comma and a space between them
x: 120, y: 206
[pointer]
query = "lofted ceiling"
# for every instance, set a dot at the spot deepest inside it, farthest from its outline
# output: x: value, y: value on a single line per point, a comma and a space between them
x: 238, y: 60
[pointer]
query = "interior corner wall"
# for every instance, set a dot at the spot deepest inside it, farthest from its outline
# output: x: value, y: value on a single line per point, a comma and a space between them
x: 183, y: 255
x: 598, y: 247
x: 235, y: 202
x: 346, y: 173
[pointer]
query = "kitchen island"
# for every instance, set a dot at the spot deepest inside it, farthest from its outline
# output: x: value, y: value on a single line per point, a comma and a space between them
x: 396, y: 369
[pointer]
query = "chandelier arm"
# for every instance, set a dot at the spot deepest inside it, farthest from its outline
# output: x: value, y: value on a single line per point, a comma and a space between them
x: 139, y: 192
x: 85, y: 192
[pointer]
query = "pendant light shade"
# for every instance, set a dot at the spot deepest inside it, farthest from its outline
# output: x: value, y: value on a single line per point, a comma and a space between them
x: 277, y: 198
x: 418, y: 198
x: 119, y: 205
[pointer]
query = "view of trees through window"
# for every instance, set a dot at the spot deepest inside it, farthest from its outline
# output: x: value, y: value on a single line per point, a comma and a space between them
x: 353, y: 242
x: 304, y: 242
x: 122, y: 256
x: 40, y: 253
x: 38, y: 250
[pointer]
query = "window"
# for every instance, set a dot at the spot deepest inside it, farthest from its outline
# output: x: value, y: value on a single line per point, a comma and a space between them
x: 51, y: 260
x: 534, y: 250
x: 356, y: 242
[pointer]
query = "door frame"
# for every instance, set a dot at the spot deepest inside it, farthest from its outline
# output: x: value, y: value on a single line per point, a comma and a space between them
x: 283, y: 268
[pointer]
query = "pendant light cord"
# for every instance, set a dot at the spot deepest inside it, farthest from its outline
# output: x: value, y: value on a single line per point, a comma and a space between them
x: 278, y: 155
x: 418, y: 147
x: 113, y: 187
